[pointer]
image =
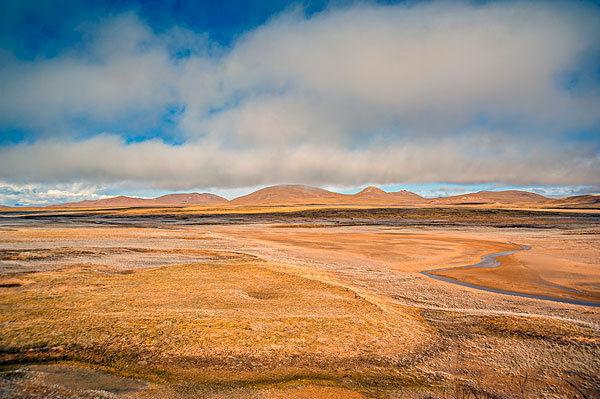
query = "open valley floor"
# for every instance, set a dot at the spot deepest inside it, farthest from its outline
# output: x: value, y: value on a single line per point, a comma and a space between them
x: 300, y: 303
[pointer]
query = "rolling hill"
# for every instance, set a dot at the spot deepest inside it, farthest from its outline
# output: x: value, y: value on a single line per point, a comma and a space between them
x: 507, y: 197
x: 376, y: 196
x: 306, y: 195
x: 294, y: 194
x: 289, y: 194
x: 577, y: 201
x: 186, y: 199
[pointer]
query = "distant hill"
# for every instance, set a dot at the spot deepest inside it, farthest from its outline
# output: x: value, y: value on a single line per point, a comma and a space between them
x: 577, y: 201
x: 295, y: 194
x: 407, y: 196
x: 307, y: 195
x: 191, y: 199
x: 289, y: 194
x: 370, y: 195
x: 507, y: 197
x: 186, y: 199
x: 376, y: 196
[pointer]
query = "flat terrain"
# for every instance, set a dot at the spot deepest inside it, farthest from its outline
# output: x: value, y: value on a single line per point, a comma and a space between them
x: 299, y: 302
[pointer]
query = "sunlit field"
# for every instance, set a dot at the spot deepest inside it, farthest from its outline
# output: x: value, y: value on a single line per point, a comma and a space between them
x: 299, y: 304
x: 300, y: 199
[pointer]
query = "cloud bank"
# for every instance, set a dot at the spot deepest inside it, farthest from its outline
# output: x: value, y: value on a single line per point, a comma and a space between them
x: 444, y: 91
x: 106, y: 159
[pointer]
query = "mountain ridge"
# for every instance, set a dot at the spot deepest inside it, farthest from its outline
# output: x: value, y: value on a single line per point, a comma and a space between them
x: 178, y: 199
x: 493, y: 197
x: 297, y: 194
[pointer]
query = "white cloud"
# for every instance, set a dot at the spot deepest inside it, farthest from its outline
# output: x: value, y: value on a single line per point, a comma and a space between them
x: 43, y: 194
x: 105, y: 159
x: 126, y: 69
x: 423, y: 68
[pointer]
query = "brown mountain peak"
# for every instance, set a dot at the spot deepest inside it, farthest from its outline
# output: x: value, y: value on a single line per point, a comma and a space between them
x: 287, y: 194
x: 372, y: 190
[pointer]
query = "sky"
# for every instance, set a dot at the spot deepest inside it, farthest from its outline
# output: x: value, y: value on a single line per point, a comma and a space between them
x: 102, y: 98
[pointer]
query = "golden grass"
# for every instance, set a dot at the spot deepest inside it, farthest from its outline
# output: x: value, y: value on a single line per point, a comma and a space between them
x: 223, y: 321
x: 316, y: 312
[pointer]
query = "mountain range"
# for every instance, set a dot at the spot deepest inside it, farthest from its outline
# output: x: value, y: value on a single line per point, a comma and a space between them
x: 185, y: 199
x: 307, y: 195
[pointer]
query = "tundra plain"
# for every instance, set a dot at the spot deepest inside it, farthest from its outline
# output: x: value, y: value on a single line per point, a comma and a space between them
x: 299, y: 302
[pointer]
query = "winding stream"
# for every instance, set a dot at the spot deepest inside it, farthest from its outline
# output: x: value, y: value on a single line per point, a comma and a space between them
x: 490, y: 262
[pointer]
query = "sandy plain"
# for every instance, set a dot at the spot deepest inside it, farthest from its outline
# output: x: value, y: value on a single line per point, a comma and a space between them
x: 298, y: 303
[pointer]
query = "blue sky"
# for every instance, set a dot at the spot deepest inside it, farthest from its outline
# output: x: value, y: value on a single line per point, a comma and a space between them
x: 146, y: 97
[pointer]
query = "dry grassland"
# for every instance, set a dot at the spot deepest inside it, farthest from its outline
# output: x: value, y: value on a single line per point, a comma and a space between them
x: 297, y: 307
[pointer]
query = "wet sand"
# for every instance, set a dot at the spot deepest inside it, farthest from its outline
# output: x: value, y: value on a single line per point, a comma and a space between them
x: 461, y: 275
